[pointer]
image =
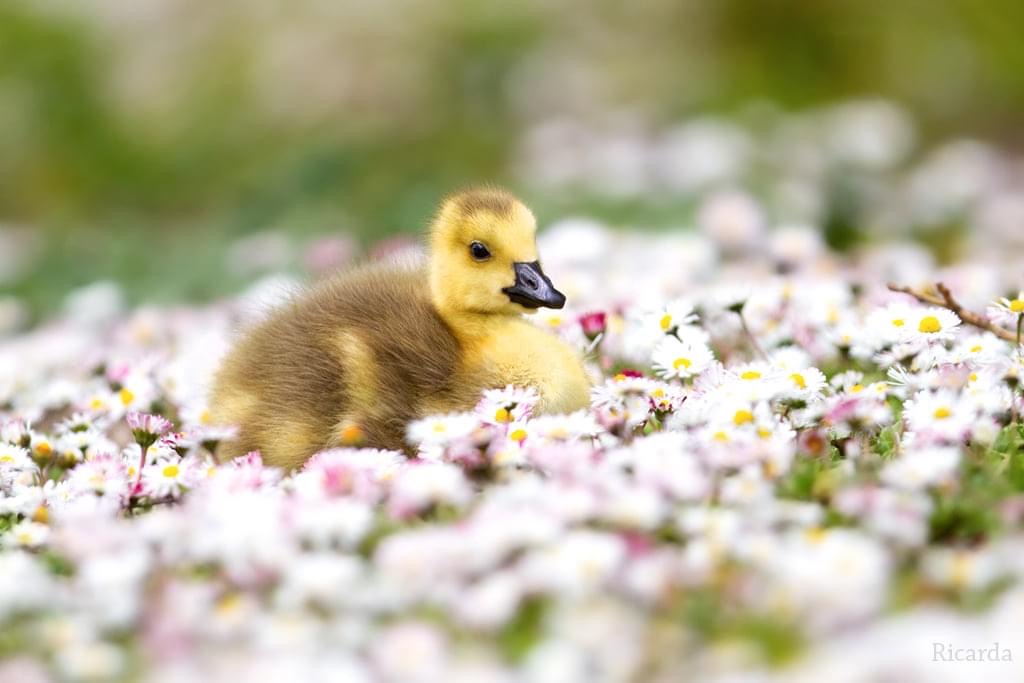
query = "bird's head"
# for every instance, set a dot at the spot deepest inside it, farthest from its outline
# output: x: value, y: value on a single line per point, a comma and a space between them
x: 483, y: 256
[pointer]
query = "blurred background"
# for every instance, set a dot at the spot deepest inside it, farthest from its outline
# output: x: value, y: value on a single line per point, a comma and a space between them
x: 178, y: 147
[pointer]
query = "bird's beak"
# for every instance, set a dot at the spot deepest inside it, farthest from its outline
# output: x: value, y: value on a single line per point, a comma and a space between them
x: 533, y: 289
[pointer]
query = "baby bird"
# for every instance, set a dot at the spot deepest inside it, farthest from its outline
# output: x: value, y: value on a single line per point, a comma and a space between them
x: 355, y: 359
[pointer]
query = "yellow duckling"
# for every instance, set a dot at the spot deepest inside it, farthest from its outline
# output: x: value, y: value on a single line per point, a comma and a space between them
x: 356, y: 358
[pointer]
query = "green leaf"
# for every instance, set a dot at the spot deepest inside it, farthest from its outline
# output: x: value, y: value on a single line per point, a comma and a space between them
x: 962, y: 519
x: 887, y: 441
x: 524, y: 631
x: 57, y: 564
x: 1010, y: 440
x: 810, y: 478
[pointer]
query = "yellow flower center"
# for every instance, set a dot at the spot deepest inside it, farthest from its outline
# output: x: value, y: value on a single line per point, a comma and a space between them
x: 742, y: 417
x: 751, y: 374
x: 205, y: 417
x: 682, y: 363
x: 438, y: 427
x: 666, y: 322
x: 41, y: 515
x: 929, y: 325
x: 502, y: 415
x: 228, y: 604
x: 899, y: 322
x: 798, y: 380
x: 976, y: 349
x: 658, y: 393
x: 815, y: 534
x: 518, y: 435
x: 171, y: 471
x: 126, y: 396
x: 856, y: 388
x: 96, y: 403
x: 6, y: 458
x: 1017, y: 305
x: 43, y: 448
x: 554, y: 321
x: 764, y: 432
x: 721, y: 436
x: 942, y: 413
x: 960, y: 572
x: 502, y: 458
x: 973, y: 377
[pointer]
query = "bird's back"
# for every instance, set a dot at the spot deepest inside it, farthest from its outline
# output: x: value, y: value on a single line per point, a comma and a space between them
x: 356, y: 358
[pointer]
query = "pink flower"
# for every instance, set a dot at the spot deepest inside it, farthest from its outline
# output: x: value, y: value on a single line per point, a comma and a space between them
x: 147, y: 428
x: 360, y: 473
x: 250, y: 459
x: 593, y: 324
x: 416, y: 488
x: 103, y: 475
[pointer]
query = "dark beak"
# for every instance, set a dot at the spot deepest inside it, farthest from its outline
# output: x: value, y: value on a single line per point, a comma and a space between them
x: 533, y: 289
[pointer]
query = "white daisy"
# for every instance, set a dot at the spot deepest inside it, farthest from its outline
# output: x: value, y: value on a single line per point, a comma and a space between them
x: 1007, y: 311
x: 939, y: 415
x: 501, y: 406
x: 921, y: 468
x: 790, y: 358
x: 167, y: 478
x: 416, y: 487
x: 755, y: 381
x: 675, y: 359
x: 102, y: 475
x: 932, y: 324
x: 979, y: 349
x: 673, y: 316
x: 27, y: 534
x: 804, y: 382
x: 439, y: 430
x: 850, y: 381
x: 15, y: 458
x: 960, y: 568
x: 571, y: 427
x: 892, y: 323
x: 646, y: 327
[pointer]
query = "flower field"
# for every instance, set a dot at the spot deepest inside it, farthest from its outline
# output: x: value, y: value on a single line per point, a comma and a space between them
x: 789, y: 471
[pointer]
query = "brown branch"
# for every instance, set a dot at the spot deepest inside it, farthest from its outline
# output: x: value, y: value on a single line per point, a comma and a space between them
x: 947, y: 301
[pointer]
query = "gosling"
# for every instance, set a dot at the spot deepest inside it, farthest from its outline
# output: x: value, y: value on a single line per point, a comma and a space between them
x: 355, y: 359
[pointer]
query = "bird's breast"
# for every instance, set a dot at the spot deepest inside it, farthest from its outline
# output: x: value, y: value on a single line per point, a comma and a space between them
x: 522, y: 355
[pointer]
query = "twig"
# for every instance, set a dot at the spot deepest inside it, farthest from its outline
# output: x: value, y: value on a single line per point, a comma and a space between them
x: 946, y: 300
x: 751, y: 338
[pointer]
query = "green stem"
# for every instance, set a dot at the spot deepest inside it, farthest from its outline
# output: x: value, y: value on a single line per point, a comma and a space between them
x: 1013, y: 407
x: 751, y: 338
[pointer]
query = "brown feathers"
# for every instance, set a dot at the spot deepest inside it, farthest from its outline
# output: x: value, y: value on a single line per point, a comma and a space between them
x: 354, y: 360
x: 487, y: 200
x: 365, y: 348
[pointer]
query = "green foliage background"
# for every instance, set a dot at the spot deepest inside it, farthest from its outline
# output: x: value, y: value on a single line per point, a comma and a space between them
x: 138, y: 139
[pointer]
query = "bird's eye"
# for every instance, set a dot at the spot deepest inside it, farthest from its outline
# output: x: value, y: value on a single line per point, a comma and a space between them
x: 479, y: 251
